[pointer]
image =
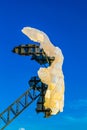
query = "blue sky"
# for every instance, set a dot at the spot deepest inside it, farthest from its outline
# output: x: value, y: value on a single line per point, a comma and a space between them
x: 65, y: 22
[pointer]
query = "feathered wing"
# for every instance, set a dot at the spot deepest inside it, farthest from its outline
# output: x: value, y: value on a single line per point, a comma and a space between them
x: 40, y: 37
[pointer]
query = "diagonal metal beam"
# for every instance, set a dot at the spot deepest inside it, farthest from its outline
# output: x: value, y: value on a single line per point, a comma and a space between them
x: 9, y: 114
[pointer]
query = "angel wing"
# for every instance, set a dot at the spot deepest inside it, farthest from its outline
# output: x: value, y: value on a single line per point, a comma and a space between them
x: 40, y: 37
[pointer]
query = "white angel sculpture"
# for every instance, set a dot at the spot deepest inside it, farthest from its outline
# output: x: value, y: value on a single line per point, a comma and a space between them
x: 53, y: 75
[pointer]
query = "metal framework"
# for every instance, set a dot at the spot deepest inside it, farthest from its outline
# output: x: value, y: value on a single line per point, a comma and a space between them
x: 35, y: 52
x: 9, y: 114
x: 36, y: 90
x: 41, y: 87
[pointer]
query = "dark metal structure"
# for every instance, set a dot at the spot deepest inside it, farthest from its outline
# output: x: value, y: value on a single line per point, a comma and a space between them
x: 35, y: 52
x: 9, y: 114
x: 36, y: 90
x: 41, y: 87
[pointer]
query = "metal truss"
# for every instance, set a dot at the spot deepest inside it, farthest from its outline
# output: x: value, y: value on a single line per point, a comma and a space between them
x: 37, y: 88
x: 9, y: 114
x: 35, y: 52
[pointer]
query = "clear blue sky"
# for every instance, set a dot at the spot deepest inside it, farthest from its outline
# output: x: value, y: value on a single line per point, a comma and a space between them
x: 65, y: 22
